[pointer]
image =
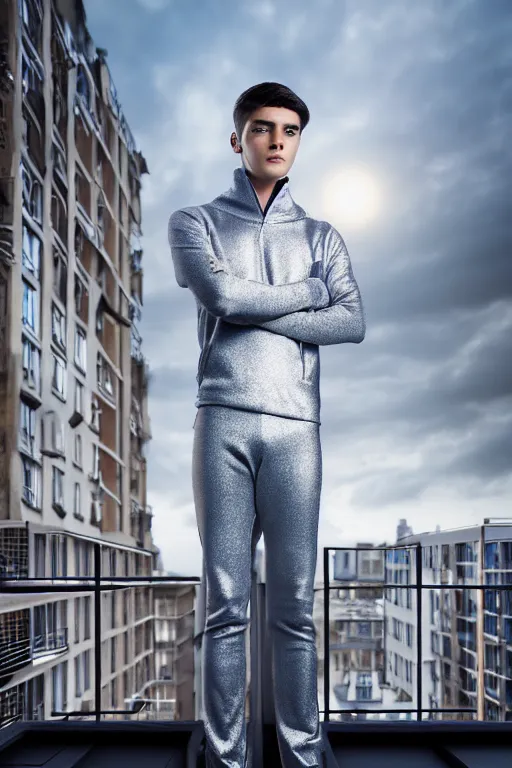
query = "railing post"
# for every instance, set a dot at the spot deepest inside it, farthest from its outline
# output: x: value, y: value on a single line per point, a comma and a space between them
x: 200, y: 618
x: 480, y: 643
x: 419, y: 649
x: 327, y: 670
x: 261, y: 691
x: 97, y: 630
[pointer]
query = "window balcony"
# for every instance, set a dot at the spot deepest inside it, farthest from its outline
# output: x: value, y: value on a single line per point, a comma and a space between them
x: 50, y: 643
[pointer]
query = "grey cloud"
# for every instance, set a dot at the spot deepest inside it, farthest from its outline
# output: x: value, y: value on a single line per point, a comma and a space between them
x: 435, y: 271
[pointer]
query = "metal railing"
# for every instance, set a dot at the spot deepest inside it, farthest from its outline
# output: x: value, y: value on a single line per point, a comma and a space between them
x: 95, y: 584
x: 418, y: 587
x: 48, y: 642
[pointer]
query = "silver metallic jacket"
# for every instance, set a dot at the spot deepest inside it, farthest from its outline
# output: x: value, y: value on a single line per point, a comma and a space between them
x: 258, y: 328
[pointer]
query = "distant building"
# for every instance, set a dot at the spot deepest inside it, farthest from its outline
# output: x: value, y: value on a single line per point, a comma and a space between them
x: 466, y: 633
x: 356, y: 634
x: 363, y: 564
x: 403, y: 530
x: 171, y: 694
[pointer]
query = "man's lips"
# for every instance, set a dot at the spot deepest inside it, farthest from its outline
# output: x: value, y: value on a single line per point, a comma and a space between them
x: 275, y: 160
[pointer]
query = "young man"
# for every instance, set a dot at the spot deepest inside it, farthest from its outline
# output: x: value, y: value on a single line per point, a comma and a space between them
x: 271, y: 284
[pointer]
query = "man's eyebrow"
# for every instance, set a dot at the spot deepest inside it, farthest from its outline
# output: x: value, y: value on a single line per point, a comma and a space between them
x: 271, y: 124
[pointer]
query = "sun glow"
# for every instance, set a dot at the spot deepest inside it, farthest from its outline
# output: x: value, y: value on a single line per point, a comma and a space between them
x: 351, y: 196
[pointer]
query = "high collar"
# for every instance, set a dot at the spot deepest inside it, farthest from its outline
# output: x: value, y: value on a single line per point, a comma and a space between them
x: 241, y: 200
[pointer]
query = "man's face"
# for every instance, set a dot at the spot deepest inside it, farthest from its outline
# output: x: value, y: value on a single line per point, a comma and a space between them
x: 278, y: 134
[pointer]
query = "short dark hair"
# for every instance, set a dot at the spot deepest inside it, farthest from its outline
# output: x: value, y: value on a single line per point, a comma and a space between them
x: 267, y: 95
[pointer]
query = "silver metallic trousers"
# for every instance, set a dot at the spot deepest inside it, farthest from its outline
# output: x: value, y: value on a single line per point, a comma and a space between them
x: 256, y: 473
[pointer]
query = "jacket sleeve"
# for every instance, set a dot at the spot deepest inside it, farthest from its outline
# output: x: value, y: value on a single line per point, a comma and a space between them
x: 342, y: 321
x: 225, y: 295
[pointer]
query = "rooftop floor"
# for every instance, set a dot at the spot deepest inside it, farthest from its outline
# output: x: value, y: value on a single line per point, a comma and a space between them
x: 82, y: 744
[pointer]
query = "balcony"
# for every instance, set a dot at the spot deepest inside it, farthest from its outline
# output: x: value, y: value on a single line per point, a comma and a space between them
x: 14, y: 654
x: 357, y: 642
x: 417, y: 740
x: 50, y: 643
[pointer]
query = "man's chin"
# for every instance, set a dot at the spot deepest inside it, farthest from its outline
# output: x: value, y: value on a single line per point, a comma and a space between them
x: 274, y: 170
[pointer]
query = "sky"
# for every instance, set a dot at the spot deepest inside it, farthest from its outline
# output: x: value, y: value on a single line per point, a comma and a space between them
x: 408, y: 155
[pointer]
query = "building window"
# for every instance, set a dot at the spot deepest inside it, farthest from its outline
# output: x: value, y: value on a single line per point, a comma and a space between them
x: 95, y: 413
x: 60, y: 276
x: 32, y: 77
x: 364, y: 686
x: 101, y: 219
x: 364, y: 629
x: 100, y: 322
x: 95, y: 474
x: 59, y: 556
x: 31, y: 248
x: 104, y: 375
x: 58, y: 486
x: 87, y: 559
x: 80, y: 349
x: 77, y: 506
x: 78, y: 450
x: 113, y: 608
x: 79, y: 397
x: 81, y: 299
x: 87, y: 670
x: 58, y: 327
x: 77, y: 615
x: 59, y: 687
x: 87, y: 618
x: 113, y: 642
x: 39, y: 555
x: 31, y: 493
x: 59, y: 376
x: 78, y: 676
x: 27, y: 428
x: 30, y: 308
x: 54, y: 440
x: 31, y: 365
x: 78, y: 558
x: 59, y: 216
x: 32, y: 15
x: 58, y: 155
x: 83, y: 86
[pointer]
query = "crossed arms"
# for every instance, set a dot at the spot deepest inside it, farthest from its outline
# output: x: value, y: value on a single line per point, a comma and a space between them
x: 282, y: 309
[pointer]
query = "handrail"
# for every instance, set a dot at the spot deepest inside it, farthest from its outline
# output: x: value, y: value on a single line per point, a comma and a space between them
x: 418, y: 587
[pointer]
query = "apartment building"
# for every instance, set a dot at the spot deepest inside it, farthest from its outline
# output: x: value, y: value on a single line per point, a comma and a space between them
x: 466, y: 632
x: 171, y: 695
x: 356, y: 634
x: 74, y: 422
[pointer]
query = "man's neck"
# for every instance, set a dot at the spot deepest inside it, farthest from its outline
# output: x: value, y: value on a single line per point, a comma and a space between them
x: 262, y: 188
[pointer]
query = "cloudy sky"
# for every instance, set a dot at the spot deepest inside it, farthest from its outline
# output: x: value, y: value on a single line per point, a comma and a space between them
x: 408, y: 155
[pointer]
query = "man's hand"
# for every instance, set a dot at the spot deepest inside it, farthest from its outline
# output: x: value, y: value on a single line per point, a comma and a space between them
x: 319, y: 292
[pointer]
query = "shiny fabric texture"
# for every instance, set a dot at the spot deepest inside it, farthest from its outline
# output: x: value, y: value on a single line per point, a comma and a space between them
x: 270, y: 287
x: 256, y: 473
x: 259, y: 319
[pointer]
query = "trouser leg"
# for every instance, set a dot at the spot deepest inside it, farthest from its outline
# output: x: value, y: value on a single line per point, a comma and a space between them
x: 223, y: 471
x: 288, y: 490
